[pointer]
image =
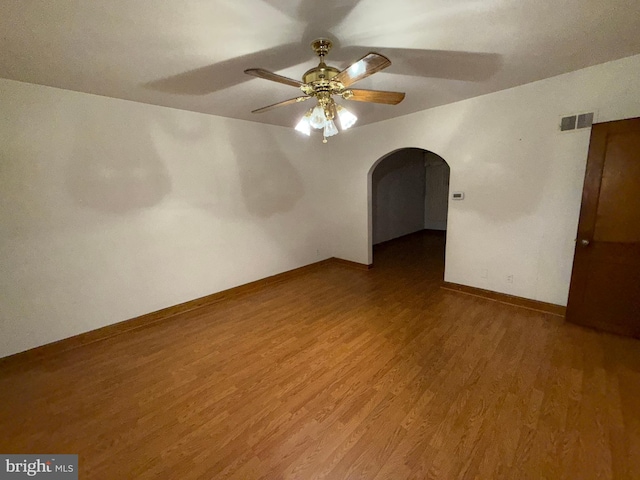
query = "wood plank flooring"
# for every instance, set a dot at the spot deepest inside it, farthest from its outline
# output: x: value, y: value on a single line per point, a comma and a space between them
x: 339, y: 374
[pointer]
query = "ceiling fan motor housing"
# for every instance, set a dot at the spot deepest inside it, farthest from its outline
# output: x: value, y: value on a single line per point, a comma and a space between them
x: 319, y: 79
x: 322, y: 72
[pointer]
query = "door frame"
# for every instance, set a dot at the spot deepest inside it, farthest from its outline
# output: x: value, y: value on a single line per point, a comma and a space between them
x: 370, y: 200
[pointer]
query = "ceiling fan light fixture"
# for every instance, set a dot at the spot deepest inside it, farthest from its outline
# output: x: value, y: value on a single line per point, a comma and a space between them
x: 317, y: 118
x: 304, y: 126
x: 347, y: 119
x: 330, y: 129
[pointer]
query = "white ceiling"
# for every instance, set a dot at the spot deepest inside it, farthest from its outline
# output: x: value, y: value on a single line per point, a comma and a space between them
x: 190, y: 54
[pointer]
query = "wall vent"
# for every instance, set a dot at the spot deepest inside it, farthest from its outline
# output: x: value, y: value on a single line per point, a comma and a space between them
x: 585, y: 120
x: 568, y: 123
x: 576, y: 121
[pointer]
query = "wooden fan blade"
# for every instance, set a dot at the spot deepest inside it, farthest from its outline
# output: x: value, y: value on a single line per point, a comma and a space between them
x: 281, y: 104
x: 274, y: 77
x: 367, y: 65
x: 376, y: 96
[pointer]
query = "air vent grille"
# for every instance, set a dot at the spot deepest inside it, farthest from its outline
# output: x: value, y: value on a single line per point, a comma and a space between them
x: 568, y: 123
x: 576, y: 121
x: 585, y: 120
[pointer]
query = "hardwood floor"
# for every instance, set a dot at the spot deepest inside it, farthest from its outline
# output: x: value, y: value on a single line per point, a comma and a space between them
x: 339, y: 373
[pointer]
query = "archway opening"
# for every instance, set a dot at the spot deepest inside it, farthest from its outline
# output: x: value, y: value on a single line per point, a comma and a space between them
x: 408, y: 200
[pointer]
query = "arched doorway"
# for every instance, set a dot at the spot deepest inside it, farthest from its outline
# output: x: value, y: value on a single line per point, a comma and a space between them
x: 408, y: 192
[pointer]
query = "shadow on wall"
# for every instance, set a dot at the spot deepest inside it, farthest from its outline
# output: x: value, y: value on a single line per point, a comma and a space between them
x: 271, y: 188
x: 184, y: 127
x: 114, y: 166
x: 505, y: 161
x: 269, y: 183
x: 200, y: 161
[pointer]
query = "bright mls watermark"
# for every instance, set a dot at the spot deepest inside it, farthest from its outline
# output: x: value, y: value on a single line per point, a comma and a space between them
x: 49, y: 467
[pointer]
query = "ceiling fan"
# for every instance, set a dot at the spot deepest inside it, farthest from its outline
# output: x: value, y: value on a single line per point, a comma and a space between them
x: 323, y: 82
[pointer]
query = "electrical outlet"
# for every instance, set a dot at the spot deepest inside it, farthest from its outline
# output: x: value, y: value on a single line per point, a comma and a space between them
x: 484, y: 273
x: 509, y: 278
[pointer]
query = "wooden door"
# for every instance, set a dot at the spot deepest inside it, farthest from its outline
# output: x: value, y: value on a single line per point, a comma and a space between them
x: 605, y: 282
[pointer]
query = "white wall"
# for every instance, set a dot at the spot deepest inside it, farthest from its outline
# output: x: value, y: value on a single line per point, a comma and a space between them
x: 398, y: 184
x: 111, y: 209
x: 436, y: 197
x: 522, y: 179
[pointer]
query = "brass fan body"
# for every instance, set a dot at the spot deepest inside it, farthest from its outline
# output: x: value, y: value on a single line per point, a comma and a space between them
x: 320, y: 81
